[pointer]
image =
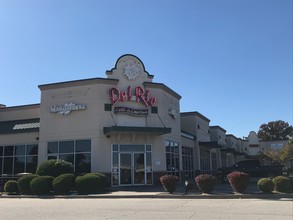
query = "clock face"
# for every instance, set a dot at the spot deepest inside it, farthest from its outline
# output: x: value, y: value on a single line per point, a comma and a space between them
x: 131, y: 71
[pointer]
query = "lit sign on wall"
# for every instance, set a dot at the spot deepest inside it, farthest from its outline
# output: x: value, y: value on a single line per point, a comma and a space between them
x: 139, y: 94
x: 130, y: 111
x: 67, y: 108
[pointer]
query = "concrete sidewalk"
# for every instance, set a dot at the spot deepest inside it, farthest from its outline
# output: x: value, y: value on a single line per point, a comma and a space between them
x: 221, y: 191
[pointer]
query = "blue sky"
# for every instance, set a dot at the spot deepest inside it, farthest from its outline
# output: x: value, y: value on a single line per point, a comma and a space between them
x: 231, y: 60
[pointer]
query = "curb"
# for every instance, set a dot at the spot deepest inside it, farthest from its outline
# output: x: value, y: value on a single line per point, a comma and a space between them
x: 163, y: 195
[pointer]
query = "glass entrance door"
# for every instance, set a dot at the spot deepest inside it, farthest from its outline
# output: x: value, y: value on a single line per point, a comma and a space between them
x: 139, y: 168
x: 125, y: 169
x: 132, y: 168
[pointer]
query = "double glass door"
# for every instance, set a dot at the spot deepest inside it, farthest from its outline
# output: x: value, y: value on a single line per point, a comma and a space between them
x: 132, y: 168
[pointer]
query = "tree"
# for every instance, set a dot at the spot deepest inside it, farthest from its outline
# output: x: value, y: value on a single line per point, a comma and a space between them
x: 277, y: 156
x: 287, y: 152
x: 275, y: 130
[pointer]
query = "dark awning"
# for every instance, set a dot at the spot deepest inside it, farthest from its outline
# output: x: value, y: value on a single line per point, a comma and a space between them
x: 211, y: 144
x: 136, y: 130
x: 19, y: 126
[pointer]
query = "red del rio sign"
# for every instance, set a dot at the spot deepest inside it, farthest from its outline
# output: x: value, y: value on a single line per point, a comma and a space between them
x: 140, y: 94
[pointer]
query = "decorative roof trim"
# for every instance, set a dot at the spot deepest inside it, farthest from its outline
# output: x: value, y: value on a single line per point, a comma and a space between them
x: 78, y: 83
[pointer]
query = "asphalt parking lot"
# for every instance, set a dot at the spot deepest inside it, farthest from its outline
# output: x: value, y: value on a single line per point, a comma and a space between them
x: 145, y: 208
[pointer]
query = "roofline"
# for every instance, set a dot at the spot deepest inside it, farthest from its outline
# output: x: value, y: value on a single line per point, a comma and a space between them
x: 163, y: 87
x: 195, y: 113
x: 20, y: 107
x: 81, y: 82
x: 219, y: 127
x: 231, y: 135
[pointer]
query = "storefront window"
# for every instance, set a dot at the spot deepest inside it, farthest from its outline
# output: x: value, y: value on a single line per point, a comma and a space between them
x: 18, y: 159
x: 224, y: 159
x: 52, y: 147
x: 77, y: 152
x: 172, y: 158
x: 66, y: 146
x: 214, y: 161
x: 187, y: 162
x: 205, y: 160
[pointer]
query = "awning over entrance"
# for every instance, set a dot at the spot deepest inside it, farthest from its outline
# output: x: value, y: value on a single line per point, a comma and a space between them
x: 211, y: 144
x: 136, y: 130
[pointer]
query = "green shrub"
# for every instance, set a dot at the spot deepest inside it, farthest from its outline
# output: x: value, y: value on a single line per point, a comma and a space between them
x: 103, y: 179
x: 265, y: 185
x: 11, y: 187
x: 238, y: 181
x: 24, y: 183
x: 41, y: 185
x: 89, y: 184
x: 281, y: 184
x: 169, y: 183
x: 64, y: 183
x: 205, y: 182
x: 54, y: 168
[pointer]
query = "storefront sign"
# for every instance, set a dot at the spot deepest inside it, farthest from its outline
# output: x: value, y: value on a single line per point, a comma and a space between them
x: 67, y: 108
x: 139, y: 95
x: 130, y: 111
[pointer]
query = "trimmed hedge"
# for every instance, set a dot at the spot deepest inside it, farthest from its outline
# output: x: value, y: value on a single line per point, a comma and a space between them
x: 238, y: 181
x: 54, y: 168
x: 169, y: 183
x: 41, y: 185
x: 103, y: 179
x: 24, y: 183
x: 89, y: 184
x: 64, y: 183
x: 265, y: 185
x: 281, y: 184
x: 11, y: 187
x: 205, y: 182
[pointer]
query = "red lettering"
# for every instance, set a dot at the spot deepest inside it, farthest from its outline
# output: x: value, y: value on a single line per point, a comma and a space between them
x: 123, y: 97
x: 141, y: 95
x: 114, y: 95
x: 152, y: 101
x: 139, y: 92
x: 129, y: 93
x: 147, y: 95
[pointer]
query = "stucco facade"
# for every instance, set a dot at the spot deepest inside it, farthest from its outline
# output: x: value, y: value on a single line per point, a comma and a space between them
x: 124, y: 125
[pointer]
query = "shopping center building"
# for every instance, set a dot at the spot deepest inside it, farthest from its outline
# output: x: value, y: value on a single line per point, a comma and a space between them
x: 124, y: 125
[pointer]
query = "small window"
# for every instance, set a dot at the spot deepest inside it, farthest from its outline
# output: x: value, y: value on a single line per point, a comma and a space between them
x: 115, y: 147
x: 154, y: 110
x: 198, y: 126
x: 148, y: 148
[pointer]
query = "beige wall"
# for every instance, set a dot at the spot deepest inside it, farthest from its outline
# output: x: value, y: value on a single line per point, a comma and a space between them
x: 19, y: 138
